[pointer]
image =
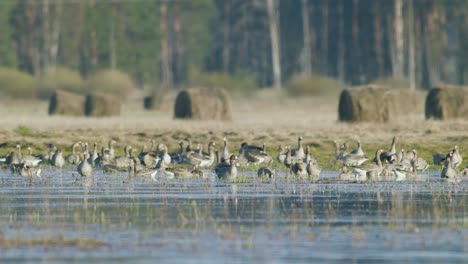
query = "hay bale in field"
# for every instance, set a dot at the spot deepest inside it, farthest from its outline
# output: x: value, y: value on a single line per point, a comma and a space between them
x: 102, y: 105
x: 151, y: 103
x: 203, y: 104
x: 66, y: 103
x: 373, y: 103
x: 447, y: 102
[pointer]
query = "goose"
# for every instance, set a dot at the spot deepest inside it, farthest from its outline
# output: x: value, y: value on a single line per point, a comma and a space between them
x: 353, y: 160
x: 84, y: 168
x: 346, y: 175
x: 369, y: 170
x: 246, y: 146
x: 288, y: 159
x: 309, y: 157
x: 28, y: 171
x: 419, y: 163
x: 188, y: 148
x: 225, y: 154
x: 449, y: 170
x: 178, y: 157
x: 94, y: 155
x: 299, y: 152
x: 162, y: 173
x: 57, y: 159
x: 340, y: 151
x: 281, y: 154
x: 133, y: 171
x: 256, y: 156
x: 123, y: 161
x: 359, y: 150
x: 299, y: 168
x: 227, y: 171
x: 266, y: 172
x: 387, y: 154
x: 29, y: 160
x: 456, y: 157
x: 74, y: 158
x: 111, y: 148
x: 313, y: 170
x: 185, y: 173
x: 199, y: 160
x: 164, y: 157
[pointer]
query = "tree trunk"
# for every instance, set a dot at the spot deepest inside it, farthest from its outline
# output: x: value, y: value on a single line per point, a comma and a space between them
x: 399, y: 45
x: 379, y: 52
x: 411, y: 52
x: 226, y: 36
x: 324, y: 57
x: 341, y: 43
x: 54, y: 45
x: 45, y: 34
x: 275, y: 50
x: 306, y: 57
x: 165, y: 52
x: 113, y: 54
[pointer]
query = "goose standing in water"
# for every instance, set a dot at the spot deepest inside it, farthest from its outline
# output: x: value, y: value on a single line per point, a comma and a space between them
x: 28, y: 171
x: 457, y: 158
x: 84, y: 168
x: 255, y: 155
x: 385, y: 156
x: 227, y: 171
x: 29, y: 160
x: 299, y: 152
x: 419, y: 163
x: 225, y: 154
x: 268, y: 172
x: 449, y: 170
x: 164, y: 156
x: 370, y: 170
x: 124, y: 161
x: 57, y: 159
x: 74, y: 158
x: 94, y: 155
x: 199, y: 160
x: 313, y: 170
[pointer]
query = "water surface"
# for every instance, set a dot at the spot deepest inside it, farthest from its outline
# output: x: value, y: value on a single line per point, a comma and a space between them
x: 109, y: 219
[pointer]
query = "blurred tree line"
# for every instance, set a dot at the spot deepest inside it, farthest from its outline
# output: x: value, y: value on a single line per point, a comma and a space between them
x: 170, y: 43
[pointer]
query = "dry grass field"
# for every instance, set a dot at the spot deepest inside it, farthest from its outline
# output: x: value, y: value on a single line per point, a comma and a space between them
x: 267, y: 118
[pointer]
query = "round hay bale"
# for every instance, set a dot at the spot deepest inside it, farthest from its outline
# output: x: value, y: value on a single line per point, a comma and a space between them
x: 66, y: 103
x: 203, y: 104
x: 447, y: 102
x: 102, y: 105
x: 374, y: 103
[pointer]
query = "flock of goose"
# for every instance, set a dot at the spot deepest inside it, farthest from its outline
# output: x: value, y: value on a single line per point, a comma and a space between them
x: 156, y: 161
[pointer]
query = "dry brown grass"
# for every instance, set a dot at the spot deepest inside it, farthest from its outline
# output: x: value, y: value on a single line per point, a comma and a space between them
x: 269, y: 118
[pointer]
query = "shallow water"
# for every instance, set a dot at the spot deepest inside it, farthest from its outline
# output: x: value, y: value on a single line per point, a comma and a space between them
x: 108, y: 219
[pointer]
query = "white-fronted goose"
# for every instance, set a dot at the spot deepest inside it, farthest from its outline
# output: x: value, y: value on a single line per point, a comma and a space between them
x: 124, y: 161
x: 370, y: 170
x: 299, y: 152
x: 225, y: 153
x: 29, y: 160
x: 281, y: 154
x: 299, y: 168
x: 74, y: 158
x: 268, y: 172
x: 28, y: 171
x: 227, y: 171
x: 199, y: 160
x: 359, y: 150
x: 313, y: 170
x: 84, y: 168
x: 449, y: 170
x: 419, y: 163
x: 57, y: 159
x: 256, y: 156
x: 385, y: 156
x: 457, y: 158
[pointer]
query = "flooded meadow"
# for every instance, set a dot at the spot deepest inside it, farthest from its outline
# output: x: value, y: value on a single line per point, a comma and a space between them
x: 109, y: 218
